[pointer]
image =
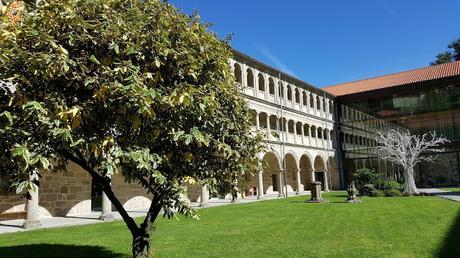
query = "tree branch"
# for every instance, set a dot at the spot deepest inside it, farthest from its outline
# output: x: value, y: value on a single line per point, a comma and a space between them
x: 106, y: 187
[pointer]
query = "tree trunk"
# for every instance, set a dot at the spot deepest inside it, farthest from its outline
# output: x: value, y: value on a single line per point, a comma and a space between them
x: 409, y: 186
x: 141, y: 246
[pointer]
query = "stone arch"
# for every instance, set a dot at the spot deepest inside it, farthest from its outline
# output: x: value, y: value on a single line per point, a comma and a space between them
x: 271, y: 173
x: 272, y: 120
x: 297, y: 96
x: 290, y: 163
x: 320, y: 170
x: 281, y: 90
x: 282, y: 124
x: 318, y: 103
x: 250, y: 78
x: 306, y: 130
x: 320, y: 133
x: 261, y: 82
x: 298, y: 128
x: 238, y: 73
x: 139, y: 202
x: 313, y: 131
x: 306, y: 168
x: 304, y: 98
x: 325, y: 134
x: 289, y: 92
x: 271, y: 86
x: 263, y: 120
x: 312, y: 101
x: 291, y: 126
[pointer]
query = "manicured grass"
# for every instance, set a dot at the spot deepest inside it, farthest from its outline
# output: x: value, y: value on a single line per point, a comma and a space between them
x: 378, y: 227
x: 451, y: 189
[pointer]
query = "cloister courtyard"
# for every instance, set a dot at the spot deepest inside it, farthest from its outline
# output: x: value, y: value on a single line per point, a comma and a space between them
x: 425, y: 226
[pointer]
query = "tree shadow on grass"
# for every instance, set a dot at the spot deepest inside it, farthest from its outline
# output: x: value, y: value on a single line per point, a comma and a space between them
x: 57, y: 251
x: 450, y: 244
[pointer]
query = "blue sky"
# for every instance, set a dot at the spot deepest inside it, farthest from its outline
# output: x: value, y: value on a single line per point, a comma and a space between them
x: 329, y: 42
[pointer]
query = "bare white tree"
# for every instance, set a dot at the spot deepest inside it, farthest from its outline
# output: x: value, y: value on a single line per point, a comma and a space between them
x: 400, y: 147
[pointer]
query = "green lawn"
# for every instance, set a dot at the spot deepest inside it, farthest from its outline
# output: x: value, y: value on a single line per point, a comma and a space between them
x: 451, y: 189
x: 379, y: 227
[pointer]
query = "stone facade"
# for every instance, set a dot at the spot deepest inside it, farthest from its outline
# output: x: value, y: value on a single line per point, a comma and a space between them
x: 66, y: 193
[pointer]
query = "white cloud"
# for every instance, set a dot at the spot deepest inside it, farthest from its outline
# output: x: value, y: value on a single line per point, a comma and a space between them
x: 275, y: 60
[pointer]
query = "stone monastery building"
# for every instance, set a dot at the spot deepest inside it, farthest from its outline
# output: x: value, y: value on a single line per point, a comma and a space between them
x: 312, y: 135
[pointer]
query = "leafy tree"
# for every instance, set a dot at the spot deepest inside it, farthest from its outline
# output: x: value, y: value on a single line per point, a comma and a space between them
x: 129, y: 87
x: 407, y: 150
x: 453, y: 54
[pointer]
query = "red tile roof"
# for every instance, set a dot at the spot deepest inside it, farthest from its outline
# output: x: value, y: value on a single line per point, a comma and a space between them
x: 429, y: 73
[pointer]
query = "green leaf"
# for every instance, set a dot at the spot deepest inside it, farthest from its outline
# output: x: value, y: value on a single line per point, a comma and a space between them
x: 94, y: 60
x: 45, y: 162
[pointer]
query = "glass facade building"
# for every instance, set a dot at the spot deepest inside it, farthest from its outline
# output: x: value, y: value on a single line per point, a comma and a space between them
x: 426, y: 106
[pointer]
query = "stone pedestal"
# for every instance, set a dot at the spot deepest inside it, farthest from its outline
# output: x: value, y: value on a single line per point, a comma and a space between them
x: 315, y: 193
x: 351, y: 190
x: 204, y: 202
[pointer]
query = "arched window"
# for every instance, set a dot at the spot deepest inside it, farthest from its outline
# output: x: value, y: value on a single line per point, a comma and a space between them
x: 306, y: 130
x: 298, y: 128
x: 318, y: 103
x: 238, y: 73
x: 271, y: 86
x: 263, y: 120
x: 304, y: 98
x: 282, y: 124
x: 331, y: 107
x: 320, y: 133
x: 297, y: 96
x: 250, y: 78
x: 312, y: 101
x: 261, y: 82
x: 291, y: 126
x: 313, y: 131
x: 325, y: 134
x: 289, y: 92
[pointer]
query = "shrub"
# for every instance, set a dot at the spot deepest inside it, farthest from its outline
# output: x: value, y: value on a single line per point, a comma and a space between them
x: 387, y: 185
x: 365, y: 177
x: 377, y: 193
x: 393, y: 193
x: 366, y: 190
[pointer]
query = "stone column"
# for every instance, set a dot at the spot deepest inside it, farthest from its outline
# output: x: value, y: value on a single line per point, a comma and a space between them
x: 295, y: 132
x: 326, y: 181
x: 260, y: 189
x: 312, y: 175
x: 257, y: 121
x: 33, y: 207
x: 106, y: 209
x: 280, y: 184
x: 204, y: 200
x: 268, y: 127
x: 297, y: 178
x: 302, y: 131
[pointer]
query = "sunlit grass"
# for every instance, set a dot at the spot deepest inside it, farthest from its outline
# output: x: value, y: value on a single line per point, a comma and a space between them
x: 378, y: 227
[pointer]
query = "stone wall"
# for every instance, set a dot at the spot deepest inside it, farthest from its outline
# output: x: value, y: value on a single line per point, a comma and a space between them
x: 11, y: 206
x: 131, y: 195
x: 66, y: 193
x: 194, y: 192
